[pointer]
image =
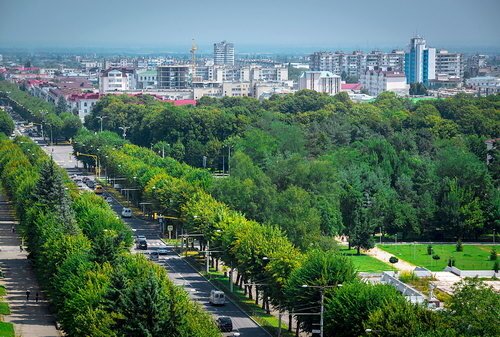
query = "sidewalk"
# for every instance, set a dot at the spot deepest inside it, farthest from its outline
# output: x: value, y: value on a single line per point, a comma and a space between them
x: 30, y: 319
x: 384, y: 256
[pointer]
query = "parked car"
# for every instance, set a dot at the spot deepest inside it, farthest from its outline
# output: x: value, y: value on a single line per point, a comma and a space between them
x: 225, y: 324
x: 217, y: 297
x: 142, y: 244
x: 126, y: 212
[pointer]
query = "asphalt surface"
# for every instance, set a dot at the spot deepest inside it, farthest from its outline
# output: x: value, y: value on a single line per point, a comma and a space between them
x: 179, y: 271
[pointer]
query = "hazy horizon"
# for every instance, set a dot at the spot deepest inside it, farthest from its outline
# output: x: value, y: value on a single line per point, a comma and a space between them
x: 279, y: 26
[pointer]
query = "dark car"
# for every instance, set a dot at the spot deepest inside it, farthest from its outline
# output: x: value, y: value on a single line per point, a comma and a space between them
x: 142, y: 244
x: 225, y: 324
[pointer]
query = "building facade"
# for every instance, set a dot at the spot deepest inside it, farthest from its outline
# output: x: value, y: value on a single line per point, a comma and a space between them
x: 146, y: 79
x: 224, y: 53
x: 320, y: 81
x: 450, y: 64
x: 116, y: 79
x: 379, y: 80
x: 420, y: 62
x: 174, y: 77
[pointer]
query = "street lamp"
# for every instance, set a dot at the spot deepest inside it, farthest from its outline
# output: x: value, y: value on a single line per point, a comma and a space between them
x: 101, y: 118
x: 322, y: 294
x: 124, y: 128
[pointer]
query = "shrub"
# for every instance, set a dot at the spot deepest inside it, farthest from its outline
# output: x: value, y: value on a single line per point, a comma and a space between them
x: 451, y: 262
x: 493, y: 254
x: 430, y: 250
x: 436, y: 257
x: 459, y: 246
x: 407, y: 276
x: 393, y: 259
x: 496, y: 266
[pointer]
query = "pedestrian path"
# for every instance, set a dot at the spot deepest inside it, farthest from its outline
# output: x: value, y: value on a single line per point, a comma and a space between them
x: 30, y: 318
x: 384, y: 256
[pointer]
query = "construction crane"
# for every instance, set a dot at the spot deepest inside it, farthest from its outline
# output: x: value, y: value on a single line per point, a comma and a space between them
x: 193, y: 50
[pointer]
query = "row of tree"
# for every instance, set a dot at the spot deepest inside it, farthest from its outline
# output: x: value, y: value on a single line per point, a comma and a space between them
x: 264, y: 258
x: 57, y: 121
x: 80, y: 251
x: 318, y: 165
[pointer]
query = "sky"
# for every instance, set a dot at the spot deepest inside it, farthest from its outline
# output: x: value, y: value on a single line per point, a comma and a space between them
x: 263, y: 25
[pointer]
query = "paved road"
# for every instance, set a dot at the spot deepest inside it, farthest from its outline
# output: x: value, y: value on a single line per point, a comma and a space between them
x: 179, y: 271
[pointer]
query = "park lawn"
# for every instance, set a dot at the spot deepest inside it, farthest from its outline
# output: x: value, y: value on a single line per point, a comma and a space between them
x: 473, y: 257
x: 6, y: 329
x: 366, y: 263
x: 3, y: 292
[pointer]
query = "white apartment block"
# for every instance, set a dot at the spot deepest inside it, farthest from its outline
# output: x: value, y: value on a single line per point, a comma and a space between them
x: 355, y: 63
x: 450, y: 64
x: 116, y: 79
x: 320, y: 81
x: 224, y: 53
x: 377, y: 81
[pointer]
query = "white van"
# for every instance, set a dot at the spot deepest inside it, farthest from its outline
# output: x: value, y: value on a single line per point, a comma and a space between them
x: 126, y: 212
x: 217, y: 297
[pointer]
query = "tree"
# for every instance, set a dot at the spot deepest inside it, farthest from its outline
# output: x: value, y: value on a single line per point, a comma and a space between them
x: 71, y: 124
x: 402, y: 318
x: 348, y: 309
x: 50, y: 193
x: 319, y: 268
x: 6, y: 123
x: 418, y: 89
x: 61, y: 106
x: 474, y: 309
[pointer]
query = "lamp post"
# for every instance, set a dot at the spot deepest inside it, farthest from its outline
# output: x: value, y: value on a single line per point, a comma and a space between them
x: 101, y: 118
x: 322, y: 301
x: 124, y: 128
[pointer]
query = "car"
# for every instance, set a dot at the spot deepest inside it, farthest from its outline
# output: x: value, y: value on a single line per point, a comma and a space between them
x: 109, y: 200
x: 217, y: 297
x: 98, y: 189
x: 126, y: 212
x: 162, y: 251
x: 225, y: 324
x: 139, y: 237
x: 142, y: 244
x: 154, y: 256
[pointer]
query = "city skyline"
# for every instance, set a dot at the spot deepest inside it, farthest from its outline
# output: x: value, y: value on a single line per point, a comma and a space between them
x: 261, y: 27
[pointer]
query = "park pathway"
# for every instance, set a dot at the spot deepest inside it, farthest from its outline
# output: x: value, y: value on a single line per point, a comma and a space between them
x: 384, y: 256
x: 30, y: 319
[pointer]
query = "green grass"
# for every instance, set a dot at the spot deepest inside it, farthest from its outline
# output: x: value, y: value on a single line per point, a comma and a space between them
x: 3, y: 292
x: 366, y: 263
x: 6, y: 329
x: 473, y: 257
x: 4, y: 308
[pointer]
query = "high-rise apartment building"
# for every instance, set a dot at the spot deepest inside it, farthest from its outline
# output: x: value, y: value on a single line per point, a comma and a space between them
x: 420, y: 62
x: 224, y: 53
x: 450, y: 64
